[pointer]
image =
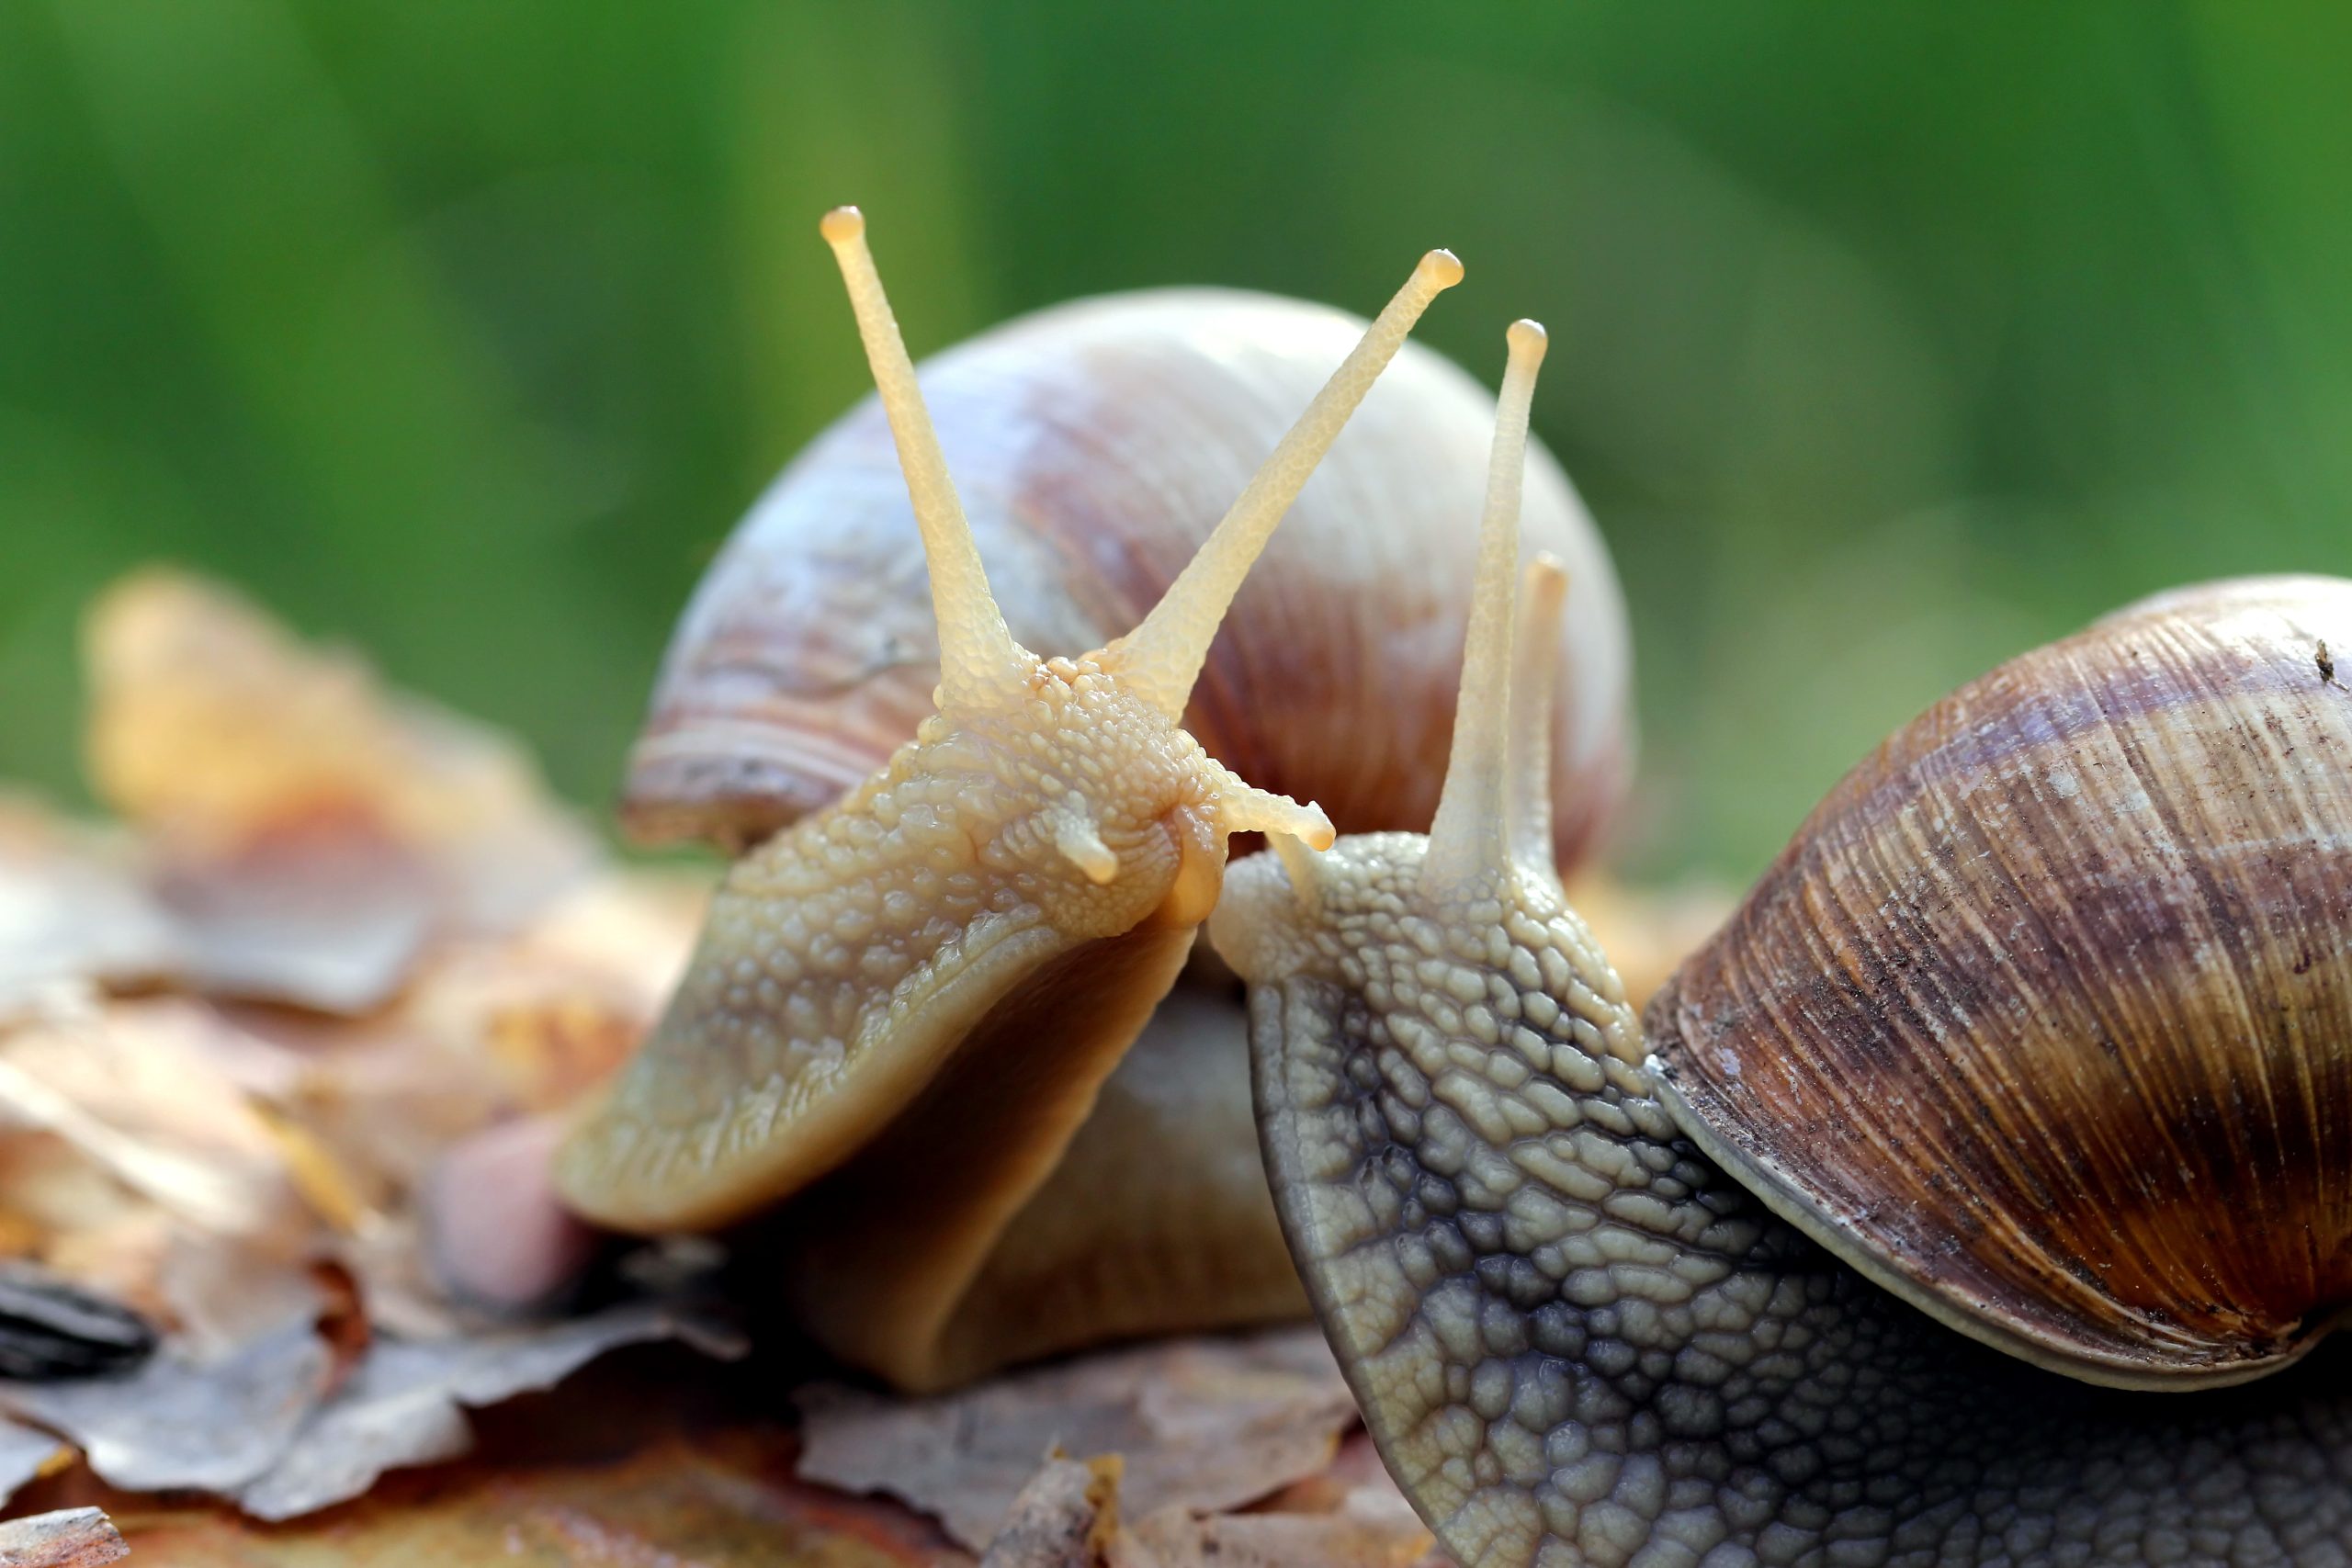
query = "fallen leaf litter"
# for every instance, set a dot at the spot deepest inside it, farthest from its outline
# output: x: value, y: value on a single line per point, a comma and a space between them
x: 335, y: 934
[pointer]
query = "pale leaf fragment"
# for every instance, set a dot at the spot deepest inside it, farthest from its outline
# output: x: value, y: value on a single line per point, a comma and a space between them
x: 24, y: 1454
x: 325, y: 917
x: 1371, y: 1529
x: 1064, y: 1518
x: 72, y: 1538
x: 406, y: 1404
x: 1210, y: 1423
x: 135, y: 1088
x: 210, y: 1426
x: 74, y: 911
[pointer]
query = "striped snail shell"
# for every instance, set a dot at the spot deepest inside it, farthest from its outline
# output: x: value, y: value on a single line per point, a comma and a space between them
x: 2043, y: 1019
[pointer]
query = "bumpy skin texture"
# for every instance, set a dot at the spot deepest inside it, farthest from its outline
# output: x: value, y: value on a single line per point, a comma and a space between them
x: 934, y: 977
x: 1578, y: 1342
x: 935, y: 886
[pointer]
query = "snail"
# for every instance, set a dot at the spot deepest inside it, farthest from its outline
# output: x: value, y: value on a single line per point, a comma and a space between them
x: 906, y: 1030
x: 2042, y: 1024
x: 1095, y: 442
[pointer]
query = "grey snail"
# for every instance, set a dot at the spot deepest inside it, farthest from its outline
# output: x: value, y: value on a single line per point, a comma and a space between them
x: 1966, y: 1183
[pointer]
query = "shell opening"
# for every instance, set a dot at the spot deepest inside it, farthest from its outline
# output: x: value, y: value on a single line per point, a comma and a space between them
x: 1470, y: 836
x: 1161, y: 658
x: 977, y: 653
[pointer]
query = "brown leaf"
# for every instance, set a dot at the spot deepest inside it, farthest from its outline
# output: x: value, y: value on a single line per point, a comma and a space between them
x: 76, y: 1537
x: 315, y: 827
x: 653, y: 1459
x: 1203, y: 1423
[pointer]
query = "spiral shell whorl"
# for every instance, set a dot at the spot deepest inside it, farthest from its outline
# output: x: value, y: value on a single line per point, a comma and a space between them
x: 2045, y: 1018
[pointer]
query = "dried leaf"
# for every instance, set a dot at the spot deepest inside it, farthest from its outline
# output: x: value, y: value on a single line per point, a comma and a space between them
x: 1370, y: 1529
x: 214, y: 1425
x: 73, y: 909
x: 405, y: 1404
x: 1206, y: 1424
x: 135, y: 1088
x: 211, y: 727
x: 647, y: 1461
x: 322, y: 915
x: 556, y: 1009
x: 303, y: 837
x: 26, y: 1453
x: 76, y: 1537
x: 223, y: 1296
x: 1064, y: 1518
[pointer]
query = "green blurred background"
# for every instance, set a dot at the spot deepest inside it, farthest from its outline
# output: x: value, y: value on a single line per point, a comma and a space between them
x: 1888, y: 340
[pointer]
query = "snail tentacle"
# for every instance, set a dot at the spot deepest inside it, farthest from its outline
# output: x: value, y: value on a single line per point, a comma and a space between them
x: 1534, y: 670
x: 1467, y: 840
x: 1161, y: 658
x: 978, y: 658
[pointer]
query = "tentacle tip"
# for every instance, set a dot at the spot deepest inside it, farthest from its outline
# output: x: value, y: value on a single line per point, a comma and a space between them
x: 842, y: 226
x: 1440, y: 268
x: 1247, y: 808
x: 1528, y: 341
x: 1546, y: 572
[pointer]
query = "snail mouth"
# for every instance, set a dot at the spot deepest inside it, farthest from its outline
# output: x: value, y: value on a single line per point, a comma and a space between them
x: 1200, y: 872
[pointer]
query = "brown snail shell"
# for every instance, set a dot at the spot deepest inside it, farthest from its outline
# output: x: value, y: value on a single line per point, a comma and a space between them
x: 1095, y: 444
x: 2043, y: 1018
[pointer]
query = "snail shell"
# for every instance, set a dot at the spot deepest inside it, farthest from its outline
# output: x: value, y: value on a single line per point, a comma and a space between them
x: 2045, y: 1018
x: 1095, y: 444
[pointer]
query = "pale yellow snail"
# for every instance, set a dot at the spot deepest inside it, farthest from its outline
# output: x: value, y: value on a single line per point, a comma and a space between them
x: 2043, y: 1021
x: 906, y: 1023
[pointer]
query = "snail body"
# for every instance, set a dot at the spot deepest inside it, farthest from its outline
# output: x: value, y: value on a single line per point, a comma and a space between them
x: 905, y: 1006
x: 1579, y: 1339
